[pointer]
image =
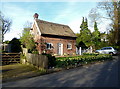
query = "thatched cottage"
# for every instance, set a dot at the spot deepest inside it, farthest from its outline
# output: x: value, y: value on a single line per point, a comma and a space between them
x: 53, y: 38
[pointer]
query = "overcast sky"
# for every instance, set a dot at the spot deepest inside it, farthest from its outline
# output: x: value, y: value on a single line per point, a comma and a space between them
x: 68, y: 13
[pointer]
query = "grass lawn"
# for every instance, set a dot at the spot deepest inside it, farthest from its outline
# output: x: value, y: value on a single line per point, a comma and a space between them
x: 19, y: 71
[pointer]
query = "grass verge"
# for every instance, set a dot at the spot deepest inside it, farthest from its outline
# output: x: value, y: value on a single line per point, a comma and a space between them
x: 19, y: 71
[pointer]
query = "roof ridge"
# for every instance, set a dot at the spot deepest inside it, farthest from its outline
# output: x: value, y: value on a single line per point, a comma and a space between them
x: 53, y: 23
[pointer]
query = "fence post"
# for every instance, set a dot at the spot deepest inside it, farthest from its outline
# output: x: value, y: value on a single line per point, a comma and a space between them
x: 79, y: 50
x: 90, y: 49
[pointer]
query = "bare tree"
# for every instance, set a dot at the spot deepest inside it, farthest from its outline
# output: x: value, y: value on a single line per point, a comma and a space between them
x: 94, y: 15
x: 28, y: 24
x: 111, y: 11
x: 5, y: 24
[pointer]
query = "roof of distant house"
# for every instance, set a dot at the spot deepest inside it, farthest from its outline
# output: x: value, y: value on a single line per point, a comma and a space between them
x: 51, y: 28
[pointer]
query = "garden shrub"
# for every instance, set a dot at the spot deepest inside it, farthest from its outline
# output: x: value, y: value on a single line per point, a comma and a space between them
x: 35, y: 52
x: 94, y: 54
x: 51, y: 60
x: 22, y: 56
x: 78, y: 60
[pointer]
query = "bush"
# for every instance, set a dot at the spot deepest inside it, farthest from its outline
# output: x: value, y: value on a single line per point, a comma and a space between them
x: 35, y: 52
x: 117, y: 47
x: 78, y: 60
x: 27, y: 40
x: 22, y: 56
x: 51, y: 60
x: 94, y: 54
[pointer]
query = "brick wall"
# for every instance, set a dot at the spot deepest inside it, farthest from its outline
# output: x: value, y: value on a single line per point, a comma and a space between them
x: 42, y: 46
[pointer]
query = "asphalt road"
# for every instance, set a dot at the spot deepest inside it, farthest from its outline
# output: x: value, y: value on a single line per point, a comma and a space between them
x: 97, y: 75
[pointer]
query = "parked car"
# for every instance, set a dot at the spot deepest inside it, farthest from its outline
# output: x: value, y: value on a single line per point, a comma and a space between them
x: 107, y: 50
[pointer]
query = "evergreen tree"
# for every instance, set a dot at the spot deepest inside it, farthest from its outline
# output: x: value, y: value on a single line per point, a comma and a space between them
x: 86, y: 24
x: 96, y: 37
x: 95, y: 26
x: 82, y: 25
x: 85, y: 34
x: 15, y: 45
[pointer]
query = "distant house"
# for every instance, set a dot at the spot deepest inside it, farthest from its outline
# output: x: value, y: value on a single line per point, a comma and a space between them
x: 53, y: 38
x: 104, y: 37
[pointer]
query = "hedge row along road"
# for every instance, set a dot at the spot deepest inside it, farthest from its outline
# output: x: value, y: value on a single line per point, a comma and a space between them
x: 79, y: 60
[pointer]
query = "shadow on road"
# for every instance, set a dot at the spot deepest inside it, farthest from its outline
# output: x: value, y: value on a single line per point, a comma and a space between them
x: 108, y: 76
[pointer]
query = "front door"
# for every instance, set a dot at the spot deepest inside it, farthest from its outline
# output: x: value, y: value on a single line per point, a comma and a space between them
x: 60, y: 48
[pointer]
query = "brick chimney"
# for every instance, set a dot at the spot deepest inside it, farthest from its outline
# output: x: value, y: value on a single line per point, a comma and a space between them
x: 35, y: 16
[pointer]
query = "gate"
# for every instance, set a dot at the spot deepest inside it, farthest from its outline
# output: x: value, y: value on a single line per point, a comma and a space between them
x: 8, y: 58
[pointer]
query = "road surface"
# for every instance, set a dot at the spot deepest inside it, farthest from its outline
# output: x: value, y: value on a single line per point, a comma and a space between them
x: 97, y: 75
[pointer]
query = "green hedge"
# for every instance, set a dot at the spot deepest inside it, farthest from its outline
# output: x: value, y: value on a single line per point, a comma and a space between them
x: 94, y: 54
x: 78, y: 60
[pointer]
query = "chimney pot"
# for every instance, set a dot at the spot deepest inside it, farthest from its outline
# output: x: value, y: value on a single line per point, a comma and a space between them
x: 35, y: 16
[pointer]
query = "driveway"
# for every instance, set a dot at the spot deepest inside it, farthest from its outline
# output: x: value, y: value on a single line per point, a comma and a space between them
x: 96, y: 75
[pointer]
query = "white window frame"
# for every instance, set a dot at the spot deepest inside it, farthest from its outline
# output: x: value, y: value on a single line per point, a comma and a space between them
x: 69, y: 46
x: 49, y: 45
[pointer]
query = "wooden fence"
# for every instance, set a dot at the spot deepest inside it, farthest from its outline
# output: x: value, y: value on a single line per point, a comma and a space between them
x: 41, y: 61
x: 8, y: 58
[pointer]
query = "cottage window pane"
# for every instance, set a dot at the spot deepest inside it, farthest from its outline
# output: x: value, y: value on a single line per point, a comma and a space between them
x: 49, y: 45
x: 69, y: 46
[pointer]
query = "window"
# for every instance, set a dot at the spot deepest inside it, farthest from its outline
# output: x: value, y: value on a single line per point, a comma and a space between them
x: 69, y: 46
x: 103, y: 49
x: 109, y: 48
x: 49, y: 45
x: 106, y: 48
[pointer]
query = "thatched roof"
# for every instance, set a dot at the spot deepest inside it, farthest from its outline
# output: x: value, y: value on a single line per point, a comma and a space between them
x: 54, y: 29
